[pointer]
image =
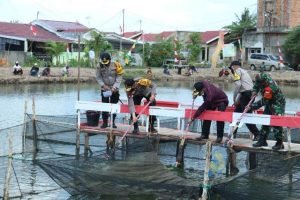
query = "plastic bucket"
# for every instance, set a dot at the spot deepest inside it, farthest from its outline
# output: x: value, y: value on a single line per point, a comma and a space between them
x: 92, y: 117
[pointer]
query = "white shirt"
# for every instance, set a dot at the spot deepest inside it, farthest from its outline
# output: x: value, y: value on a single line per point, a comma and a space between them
x: 91, y: 54
x: 17, y: 67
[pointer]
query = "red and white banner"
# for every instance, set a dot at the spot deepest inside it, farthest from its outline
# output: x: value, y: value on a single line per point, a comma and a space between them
x: 174, y: 109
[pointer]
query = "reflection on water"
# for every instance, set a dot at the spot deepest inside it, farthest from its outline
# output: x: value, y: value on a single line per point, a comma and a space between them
x: 54, y: 99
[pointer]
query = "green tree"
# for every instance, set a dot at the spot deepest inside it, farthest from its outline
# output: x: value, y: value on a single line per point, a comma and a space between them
x: 146, y: 50
x: 244, y: 22
x: 98, y: 43
x: 291, y: 46
x: 161, y: 51
x: 54, y: 49
x: 194, y: 47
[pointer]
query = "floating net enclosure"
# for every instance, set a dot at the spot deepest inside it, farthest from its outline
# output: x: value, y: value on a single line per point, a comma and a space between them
x: 144, y: 168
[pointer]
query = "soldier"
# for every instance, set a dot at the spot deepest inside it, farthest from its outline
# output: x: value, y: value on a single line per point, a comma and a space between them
x: 242, y: 93
x: 136, y: 90
x: 214, y: 99
x: 109, y: 76
x: 274, y: 102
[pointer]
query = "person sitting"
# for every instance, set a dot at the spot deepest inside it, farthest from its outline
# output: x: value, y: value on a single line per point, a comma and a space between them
x: 149, y: 73
x: 65, y: 71
x: 34, y: 70
x: 166, y: 70
x: 17, y: 69
x: 46, y: 71
x: 193, y: 68
x: 189, y: 72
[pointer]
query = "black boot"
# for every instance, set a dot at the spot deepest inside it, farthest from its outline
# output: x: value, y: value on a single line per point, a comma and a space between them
x: 151, y: 129
x: 114, y: 119
x: 279, y: 145
x: 135, y: 129
x: 261, y: 141
x: 104, y: 124
x: 256, y: 137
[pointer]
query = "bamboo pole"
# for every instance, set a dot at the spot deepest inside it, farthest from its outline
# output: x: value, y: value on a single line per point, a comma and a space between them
x: 24, y: 128
x: 78, y: 98
x: 8, y: 172
x: 34, y: 132
x: 207, y: 166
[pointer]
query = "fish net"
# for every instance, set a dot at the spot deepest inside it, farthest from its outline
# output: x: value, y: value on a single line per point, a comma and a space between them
x: 139, y: 168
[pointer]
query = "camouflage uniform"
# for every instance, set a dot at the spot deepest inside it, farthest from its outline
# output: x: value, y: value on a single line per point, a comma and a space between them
x: 274, y: 105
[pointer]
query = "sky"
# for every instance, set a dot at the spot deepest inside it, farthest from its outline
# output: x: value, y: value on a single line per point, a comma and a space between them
x: 153, y: 16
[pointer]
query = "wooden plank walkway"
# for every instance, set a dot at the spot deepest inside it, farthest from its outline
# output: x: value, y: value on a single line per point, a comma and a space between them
x: 240, y: 144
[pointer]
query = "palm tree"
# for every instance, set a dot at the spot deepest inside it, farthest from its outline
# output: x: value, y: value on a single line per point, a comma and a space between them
x: 55, y: 49
x: 244, y: 22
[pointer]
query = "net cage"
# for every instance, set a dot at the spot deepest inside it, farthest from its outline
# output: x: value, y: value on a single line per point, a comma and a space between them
x: 38, y: 160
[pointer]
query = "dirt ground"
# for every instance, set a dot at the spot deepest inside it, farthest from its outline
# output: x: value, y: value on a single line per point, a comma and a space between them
x: 88, y: 75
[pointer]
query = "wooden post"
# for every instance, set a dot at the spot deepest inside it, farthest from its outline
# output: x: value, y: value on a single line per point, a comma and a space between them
x: 252, y: 160
x: 8, y: 172
x: 24, y: 128
x: 231, y: 168
x: 180, y: 153
x: 289, y: 140
x: 77, y: 151
x: 207, y: 166
x: 34, y: 132
x: 86, y: 144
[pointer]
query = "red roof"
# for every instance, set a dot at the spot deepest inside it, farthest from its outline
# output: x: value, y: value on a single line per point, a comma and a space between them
x: 24, y: 31
x: 209, y: 35
x: 130, y: 34
x: 150, y: 37
x: 62, y: 25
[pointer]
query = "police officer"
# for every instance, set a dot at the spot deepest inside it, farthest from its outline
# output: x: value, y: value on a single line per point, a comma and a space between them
x: 274, y: 102
x: 242, y: 93
x: 109, y: 76
x: 214, y: 99
x: 136, y: 90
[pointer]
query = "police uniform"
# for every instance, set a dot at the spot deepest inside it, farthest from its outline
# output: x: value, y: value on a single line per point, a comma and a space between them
x: 242, y: 93
x: 274, y: 102
x: 136, y: 90
x: 109, y: 76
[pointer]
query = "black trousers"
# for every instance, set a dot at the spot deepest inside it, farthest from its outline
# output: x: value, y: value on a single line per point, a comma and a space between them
x: 220, y: 124
x: 243, y: 102
x: 137, y: 99
x: 114, y: 98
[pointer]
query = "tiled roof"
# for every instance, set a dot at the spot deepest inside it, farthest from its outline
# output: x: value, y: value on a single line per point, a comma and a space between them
x: 24, y: 31
x: 60, y: 26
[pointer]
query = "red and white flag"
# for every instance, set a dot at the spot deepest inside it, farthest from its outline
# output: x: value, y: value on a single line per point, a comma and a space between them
x: 279, y: 53
x: 33, y: 30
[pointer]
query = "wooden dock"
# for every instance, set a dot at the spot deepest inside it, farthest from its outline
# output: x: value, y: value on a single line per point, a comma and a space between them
x: 168, y: 134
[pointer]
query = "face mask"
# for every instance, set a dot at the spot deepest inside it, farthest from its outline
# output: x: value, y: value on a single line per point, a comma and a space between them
x: 197, y: 93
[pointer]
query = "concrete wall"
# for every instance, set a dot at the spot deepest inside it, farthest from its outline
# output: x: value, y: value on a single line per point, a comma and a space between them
x: 8, y: 58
